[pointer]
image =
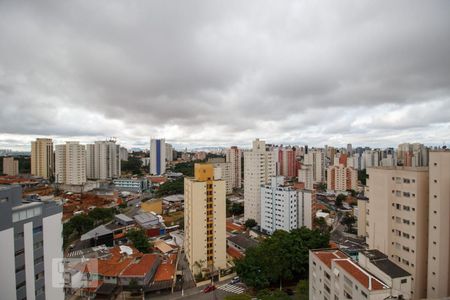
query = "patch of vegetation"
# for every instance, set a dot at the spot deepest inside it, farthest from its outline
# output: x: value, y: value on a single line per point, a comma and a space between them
x: 171, y: 188
x: 139, y: 240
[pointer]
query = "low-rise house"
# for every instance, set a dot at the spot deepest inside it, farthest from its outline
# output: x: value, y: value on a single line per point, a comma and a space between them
x: 141, y: 270
x: 241, y: 243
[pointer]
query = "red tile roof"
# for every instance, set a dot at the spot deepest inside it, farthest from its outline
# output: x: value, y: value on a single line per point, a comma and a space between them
x: 166, y: 270
x: 326, y: 256
x: 233, y: 226
x: 359, y: 274
x: 141, y: 267
x: 234, y: 253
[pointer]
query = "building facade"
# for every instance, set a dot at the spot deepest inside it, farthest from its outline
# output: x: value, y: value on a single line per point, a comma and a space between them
x: 42, y: 158
x: 204, y: 220
x: 439, y: 225
x: 10, y: 166
x: 342, y: 178
x: 31, y: 233
x: 223, y: 172
x: 70, y: 164
x: 157, y: 156
x: 259, y: 166
x: 316, y: 159
x: 397, y: 219
x: 233, y: 156
x: 103, y: 160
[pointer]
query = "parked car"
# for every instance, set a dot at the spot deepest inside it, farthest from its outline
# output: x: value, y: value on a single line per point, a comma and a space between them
x: 235, y: 280
x: 209, y: 288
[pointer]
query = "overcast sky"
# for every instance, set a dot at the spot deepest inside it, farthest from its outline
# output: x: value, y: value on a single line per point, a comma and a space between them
x: 207, y: 73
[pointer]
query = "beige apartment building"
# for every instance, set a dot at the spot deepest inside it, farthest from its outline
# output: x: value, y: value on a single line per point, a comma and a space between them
x: 70, y: 163
x: 439, y: 225
x: 10, y: 166
x: 223, y: 171
x: 397, y: 219
x: 42, y: 158
x: 259, y: 167
x: 233, y: 156
x: 204, y: 220
x: 103, y: 160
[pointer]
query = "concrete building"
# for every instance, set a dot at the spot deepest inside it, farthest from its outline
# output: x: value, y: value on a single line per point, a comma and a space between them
x: 362, y: 217
x: 233, y: 156
x: 31, y: 235
x: 169, y: 152
x: 306, y: 207
x: 157, y: 156
x: 287, y: 163
x: 103, y: 160
x: 397, y: 219
x: 223, y: 171
x: 70, y: 163
x: 204, y: 220
x: 136, y: 185
x: 123, y: 154
x: 278, y: 206
x: 259, y: 166
x: 341, y: 178
x: 42, y: 158
x: 10, y: 166
x: 412, y: 155
x: 439, y: 225
x: 333, y: 275
x: 305, y: 176
x: 316, y: 159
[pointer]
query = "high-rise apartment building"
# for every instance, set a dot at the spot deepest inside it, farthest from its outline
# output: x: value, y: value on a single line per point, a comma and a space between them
x: 157, y: 156
x: 10, y: 166
x: 259, y: 166
x: 439, y: 225
x: 103, y: 160
x: 233, y: 156
x: 305, y: 175
x: 70, y: 163
x: 169, y: 152
x: 412, y: 155
x: 316, y: 159
x: 341, y: 178
x: 288, y: 164
x: 123, y: 154
x: 204, y: 219
x: 285, y: 207
x: 278, y: 206
x: 223, y: 171
x: 42, y: 158
x: 31, y: 235
x: 397, y: 219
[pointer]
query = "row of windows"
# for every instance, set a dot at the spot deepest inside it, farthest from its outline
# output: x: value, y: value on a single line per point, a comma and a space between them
x: 26, y: 214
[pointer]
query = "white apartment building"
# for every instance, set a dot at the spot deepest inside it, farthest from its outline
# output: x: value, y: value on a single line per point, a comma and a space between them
x: 397, y: 219
x: 334, y: 276
x: 169, y: 152
x: 103, y: 160
x: 316, y: 159
x: 259, y: 166
x: 278, y: 206
x: 233, y: 156
x: 123, y: 154
x: 305, y: 175
x: 31, y: 236
x: 204, y: 219
x: 157, y: 156
x: 306, y: 209
x: 10, y: 166
x: 70, y: 163
x: 439, y: 225
x: 412, y: 155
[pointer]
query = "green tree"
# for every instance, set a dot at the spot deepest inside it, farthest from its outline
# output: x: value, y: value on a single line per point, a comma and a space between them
x: 133, y: 166
x: 340, y: 200
x: 187, y: 168
x: 139, y: 240
x: 171, y: 188
x: 302, y: 290
x: 250, y: 223
x: 238, y: 297
x: 237, y: 208
x: 288, y: 259
x: 101, y: 215
x: 321, y: 224
x: 362, y: 176
x: 322, y: 187
x: 348, y: 220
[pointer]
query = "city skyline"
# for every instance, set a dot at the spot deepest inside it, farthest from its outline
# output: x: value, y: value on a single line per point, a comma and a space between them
x: 361, y: 73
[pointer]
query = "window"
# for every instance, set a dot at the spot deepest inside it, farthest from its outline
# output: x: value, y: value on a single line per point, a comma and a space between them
x: 404, y: 280
x: 37, y: 230
x: 20, y: 252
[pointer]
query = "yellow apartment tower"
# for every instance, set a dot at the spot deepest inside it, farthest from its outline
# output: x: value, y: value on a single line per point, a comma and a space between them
x: 204, y: 219
x: 42, y: 158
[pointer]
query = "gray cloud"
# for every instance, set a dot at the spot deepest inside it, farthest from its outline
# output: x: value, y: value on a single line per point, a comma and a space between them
x: 206, y: 72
